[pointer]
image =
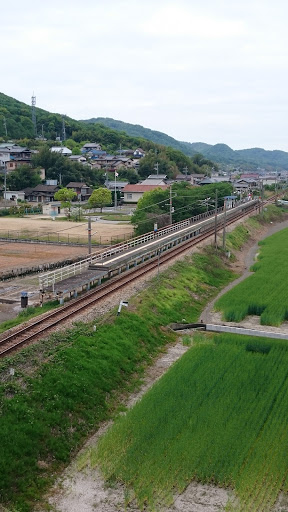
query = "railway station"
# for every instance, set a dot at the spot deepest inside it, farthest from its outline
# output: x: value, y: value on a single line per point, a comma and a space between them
x: 70, y: 281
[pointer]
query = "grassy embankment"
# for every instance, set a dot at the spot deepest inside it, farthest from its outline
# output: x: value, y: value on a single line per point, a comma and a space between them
x: 27, y: 314
x: 265, y: 292
x: 219, y: 416
x: 65, y: 386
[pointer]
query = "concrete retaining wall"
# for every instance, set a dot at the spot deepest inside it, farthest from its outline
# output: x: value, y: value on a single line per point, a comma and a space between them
x: 246, y: 332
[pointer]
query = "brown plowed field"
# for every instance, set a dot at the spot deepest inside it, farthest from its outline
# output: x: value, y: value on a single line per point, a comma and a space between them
x: 21, y: 255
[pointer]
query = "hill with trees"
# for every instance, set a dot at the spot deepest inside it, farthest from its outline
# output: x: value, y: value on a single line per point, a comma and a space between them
x: 220, y: 153
x: 16, y: 123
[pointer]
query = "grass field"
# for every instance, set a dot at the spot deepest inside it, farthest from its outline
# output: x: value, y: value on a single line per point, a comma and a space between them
x: 64, y: 387
x: 219, y: 416
x: 265, y: 292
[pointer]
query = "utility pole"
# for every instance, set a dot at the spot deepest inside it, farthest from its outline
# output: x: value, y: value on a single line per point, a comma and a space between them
x: 185, y: 171
x: 115, y: 191
x: 5, y: 126
x: 5, y: 184
x: 89, y: 236
x: 170, y: 206
x: 262, y: 197
x: 156, y: 168
x: 33, y: 106
x: 216, y: 207
x: 63, y: 129
x: 224, y: 227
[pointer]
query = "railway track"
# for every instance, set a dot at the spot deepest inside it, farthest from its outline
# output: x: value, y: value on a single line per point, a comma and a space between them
x: 41, y: 326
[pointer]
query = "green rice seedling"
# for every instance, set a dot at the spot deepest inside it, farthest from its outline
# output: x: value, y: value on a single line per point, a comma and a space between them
x: 219, y: 415
x: 265, y: 292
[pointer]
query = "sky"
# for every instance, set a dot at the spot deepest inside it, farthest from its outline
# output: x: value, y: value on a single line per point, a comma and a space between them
x: 211, y: 71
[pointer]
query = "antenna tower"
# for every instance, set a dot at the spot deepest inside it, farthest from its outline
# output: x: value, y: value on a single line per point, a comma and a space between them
x: 33, y: 107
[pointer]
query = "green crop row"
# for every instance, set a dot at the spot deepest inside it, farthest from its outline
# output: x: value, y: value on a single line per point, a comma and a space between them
x: 265, y: 292
x: 219, y: 416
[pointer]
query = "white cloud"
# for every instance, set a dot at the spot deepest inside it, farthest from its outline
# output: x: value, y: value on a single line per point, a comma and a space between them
x: 182, y: 20
x: 210, y: 71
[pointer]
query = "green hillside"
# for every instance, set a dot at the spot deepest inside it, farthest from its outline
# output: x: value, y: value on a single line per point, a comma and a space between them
x: 16, y: 117
x: 136, y: 130
x: 220, y: 153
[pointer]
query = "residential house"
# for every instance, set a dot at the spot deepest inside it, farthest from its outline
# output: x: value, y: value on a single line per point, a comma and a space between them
x: 62, y: 150
x: 196, y: 178
x: 269, y: 180
x: 112, y: 163
x: 125, y: 152
x: 116, y: 183
x: 206, y: 181
x: 12, y: 165
x: 14, y: 195
x: 94, y: 154
x: 139, y: 153
x: 78, y: 159
x: 132, y: 193
x: 12, y: 156
x: 183, y: 178
x: 41, y: 193
x: 82, y: 190
x: 91, y: 146
x: 245, y: 186
x: 154, y: 181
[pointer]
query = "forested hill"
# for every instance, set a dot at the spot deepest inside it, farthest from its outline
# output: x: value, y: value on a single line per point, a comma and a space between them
x: 16, y: 117
x: 220, y: 153
x: 136, y: 130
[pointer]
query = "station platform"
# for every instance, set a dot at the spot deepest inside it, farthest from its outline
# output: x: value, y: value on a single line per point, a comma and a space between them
x: 72, y: 286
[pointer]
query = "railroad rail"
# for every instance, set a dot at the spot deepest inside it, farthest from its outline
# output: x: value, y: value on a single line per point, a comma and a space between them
x: 40, y: 327
x: 167, y: 234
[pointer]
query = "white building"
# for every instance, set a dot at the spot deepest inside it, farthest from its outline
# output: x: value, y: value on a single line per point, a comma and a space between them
x: 62, y: 150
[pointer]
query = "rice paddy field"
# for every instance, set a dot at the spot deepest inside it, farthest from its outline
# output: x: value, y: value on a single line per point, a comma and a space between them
x: 218, y: 416
x: 265, y: 292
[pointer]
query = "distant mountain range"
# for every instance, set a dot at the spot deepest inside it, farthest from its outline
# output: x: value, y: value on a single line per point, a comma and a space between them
x: 220, y: 153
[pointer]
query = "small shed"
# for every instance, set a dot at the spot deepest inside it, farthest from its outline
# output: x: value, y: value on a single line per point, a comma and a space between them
x: 53, y: 208
x: 14, y: 195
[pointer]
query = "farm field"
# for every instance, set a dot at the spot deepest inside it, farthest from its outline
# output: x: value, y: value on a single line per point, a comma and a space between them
x: 218, y: 416
x: 60, y: 230
x: 265, y: 292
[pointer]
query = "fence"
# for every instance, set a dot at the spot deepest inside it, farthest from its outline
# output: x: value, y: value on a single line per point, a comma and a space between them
x: 61, y: 238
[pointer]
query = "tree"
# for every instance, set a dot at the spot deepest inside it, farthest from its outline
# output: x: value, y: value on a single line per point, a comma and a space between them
x: 65, y: 195
x: 187, y: 201
x: 99, y: 198
x: 23, y: 177
x: 128, y: 174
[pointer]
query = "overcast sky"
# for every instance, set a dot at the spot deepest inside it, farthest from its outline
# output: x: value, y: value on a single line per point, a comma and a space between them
x: 210, y: 70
